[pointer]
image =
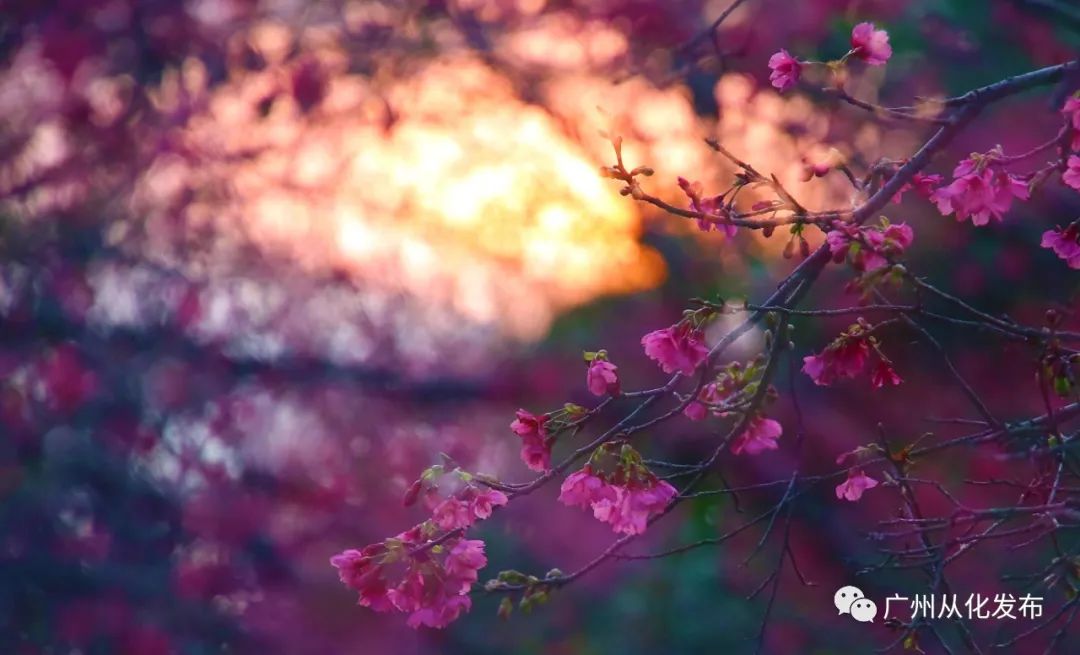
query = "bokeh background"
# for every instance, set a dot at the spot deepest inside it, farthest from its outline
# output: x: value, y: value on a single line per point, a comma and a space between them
x: 262, y: 261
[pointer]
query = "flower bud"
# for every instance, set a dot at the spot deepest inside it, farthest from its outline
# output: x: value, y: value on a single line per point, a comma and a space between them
x: 506, y: 608
x: 413, y: 493
x: 789, y: 249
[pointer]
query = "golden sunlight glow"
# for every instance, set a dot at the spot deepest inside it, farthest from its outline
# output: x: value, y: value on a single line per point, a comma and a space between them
x: 445, y: 184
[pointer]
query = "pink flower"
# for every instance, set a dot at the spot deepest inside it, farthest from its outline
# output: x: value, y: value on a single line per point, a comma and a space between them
x: 483, y: 502
x: 695, y: 411
x: 884, y: 374
x: 870, y: 45
x: 536, y: 446
x: 452, y: 514
x: 857, y: 482
x: 602, y: 379
x: 581, y: 489
x: 677, y: 348
x: 430, y: 585
x: 785, y: 70
x: 1071, y: 110
x: 465, y: 558
x: 882, y: 244
x: 714, y: 214
x: 1071, y: 176
x: 629, y: 509
x: 1065, y: 243
x: 817, y: 367
x: 626, y: 508
x: 408, y: 595
x: 536, y: 456
x: 876, y: 245
x: 844, y: 358
x: 924, y: 186
x: 900, y: 234
x: 440, y: 615
x: 358, y: 571
x: 710, y: 396
x: 760, y: 435
x: 529, y: 426
x: 981, y: 189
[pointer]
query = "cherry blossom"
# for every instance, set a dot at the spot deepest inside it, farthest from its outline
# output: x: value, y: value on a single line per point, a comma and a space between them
x: 483, y: 502
x: 677, y: 348
x: 358, y: 571
x: 628, y: 509
x: 626, y: 499
x: 923, y: 184
x: 602, y: 378
x: 1065, y: 243
x: 870, y: 247
x: 884, y: 374
x: 581, y: 488
x: 1071, y: 176
x: 844, y: 358
x: 536, y: 445
x: 760, y: 435
x: 785, y: 70
x: 870, y: 45
x: 713, y: 212
x: 857, y: 482
x: 981, y: 189
x: 430, y: 583
x: 697, y: 409
x: 452, y: 514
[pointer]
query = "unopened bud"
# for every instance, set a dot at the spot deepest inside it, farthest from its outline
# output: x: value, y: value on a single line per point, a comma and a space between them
x: 506, y: 608
x: 413, y: 493
x: 789, y: 249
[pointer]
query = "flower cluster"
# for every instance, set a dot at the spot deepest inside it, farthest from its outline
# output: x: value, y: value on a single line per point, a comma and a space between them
x: 712, y: 213
x: 1065, y: 243
x: 981, y: 189
x: 625, y: 499
x: 711, y: 395
x: 410, y: 573
x: 416, y: 572
x: 869, y: 247
x: 846, y: 357
x: 466, y: 508
x: 680, y: 347
x: 536, y: 443
x: 732, y: 384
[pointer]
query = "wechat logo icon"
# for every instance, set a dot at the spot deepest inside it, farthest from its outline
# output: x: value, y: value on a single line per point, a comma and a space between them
x: 851, y: 600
